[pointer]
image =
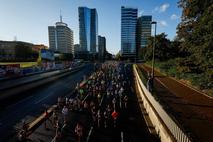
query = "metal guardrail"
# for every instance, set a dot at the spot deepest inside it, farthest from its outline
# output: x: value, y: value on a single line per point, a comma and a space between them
x: 174, y: 129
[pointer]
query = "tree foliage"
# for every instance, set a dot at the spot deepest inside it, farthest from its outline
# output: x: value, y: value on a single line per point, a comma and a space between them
x: 193, y: 47
x: 196, y: 32
x: 25, y: 53
x: 164, y: 48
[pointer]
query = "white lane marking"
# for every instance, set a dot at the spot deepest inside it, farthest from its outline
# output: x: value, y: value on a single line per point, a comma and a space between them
x: 19, y: 102
x: 122, y: 136
x: 90, y: 132
x: 51, y: 93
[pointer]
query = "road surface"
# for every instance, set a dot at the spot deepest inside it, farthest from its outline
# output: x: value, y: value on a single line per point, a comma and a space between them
x: 33, y: 105
x: 130, y: 123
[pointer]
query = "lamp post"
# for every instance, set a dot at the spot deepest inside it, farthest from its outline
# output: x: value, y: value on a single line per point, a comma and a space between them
x: 153, y: 52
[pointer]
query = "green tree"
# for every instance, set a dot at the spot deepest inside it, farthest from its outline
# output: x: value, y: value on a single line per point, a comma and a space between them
x: 24, y: 52
x: 162, y: 48
x: 196, y: 32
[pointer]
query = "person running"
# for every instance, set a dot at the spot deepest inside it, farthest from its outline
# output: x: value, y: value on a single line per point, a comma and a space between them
x: 55, y: 118
x: 98, y: 118
x: 79, y: 131
x: 114, y: 102
x: 125, y: 101
x: 65, y: 112
x: 46, y: 118
x: 114, y: 116
x: 105, y: 118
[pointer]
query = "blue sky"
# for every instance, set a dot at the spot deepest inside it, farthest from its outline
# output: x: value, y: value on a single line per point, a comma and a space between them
x: 28, y: 20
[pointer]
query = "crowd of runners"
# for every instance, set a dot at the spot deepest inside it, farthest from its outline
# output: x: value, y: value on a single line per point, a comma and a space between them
x: 102, y: 96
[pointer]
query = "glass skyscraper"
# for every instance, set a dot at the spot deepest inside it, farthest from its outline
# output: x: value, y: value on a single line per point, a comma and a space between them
x: 101, y: 47
x: 144, y: 26
x: 88, y: 29
x: 61, y: 38
x: 128, y: 31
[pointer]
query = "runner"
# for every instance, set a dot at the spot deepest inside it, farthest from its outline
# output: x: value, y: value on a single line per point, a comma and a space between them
x: 105, y: 119
x: 65, y: 112
x: 98, y: 118
x: 125, y: 101
x: 46, y: 117
x: 79, y: 131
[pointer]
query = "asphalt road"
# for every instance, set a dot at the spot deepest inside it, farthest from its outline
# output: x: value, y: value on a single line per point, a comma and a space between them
x: 33, y: 105
x: 10, y: 83
x: 131, y: 125
x: 192, y: 109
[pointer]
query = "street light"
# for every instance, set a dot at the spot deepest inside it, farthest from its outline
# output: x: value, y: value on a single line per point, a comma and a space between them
x: 153, y: 53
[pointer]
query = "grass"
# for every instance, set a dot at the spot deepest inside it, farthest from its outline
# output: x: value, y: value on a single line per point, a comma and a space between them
x: 198, y: 81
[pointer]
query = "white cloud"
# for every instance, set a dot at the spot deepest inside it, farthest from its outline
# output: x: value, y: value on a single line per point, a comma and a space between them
x: 141, y: 12
x: 161, y: 8
x: 164, y: 7
x: 163, y: 23
x: 174, y: 17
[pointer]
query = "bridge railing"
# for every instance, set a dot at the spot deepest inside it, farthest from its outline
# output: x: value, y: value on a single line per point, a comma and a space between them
x: 159, y: 113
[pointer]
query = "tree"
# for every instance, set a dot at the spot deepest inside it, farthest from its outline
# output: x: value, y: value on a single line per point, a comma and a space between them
x: 25, y: 53
x: 196, y: 32
x: 162, y: 48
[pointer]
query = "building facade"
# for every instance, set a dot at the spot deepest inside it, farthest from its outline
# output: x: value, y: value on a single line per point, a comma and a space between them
x: 101, y: 47
x: 145, y: 27
x: 10, y: 50
x: 88, y: 30
x: 128, y: 32
x: 61, y: 38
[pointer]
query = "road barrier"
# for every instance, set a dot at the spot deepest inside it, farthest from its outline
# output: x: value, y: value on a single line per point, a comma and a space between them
x: 32, y: 126
x: 20, y: 88
x: 39, y: 120
x: 166, y: 127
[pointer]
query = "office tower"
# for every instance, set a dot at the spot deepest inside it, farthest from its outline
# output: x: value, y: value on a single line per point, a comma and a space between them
x: 61, y: 37
x: 101, y: 47
x: 144, y: 27
x: 88, y: 29
x: 128, y: 32
x: 76, y: 48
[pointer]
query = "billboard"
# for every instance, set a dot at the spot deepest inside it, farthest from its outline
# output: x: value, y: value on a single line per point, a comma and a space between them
x: 47, y: 54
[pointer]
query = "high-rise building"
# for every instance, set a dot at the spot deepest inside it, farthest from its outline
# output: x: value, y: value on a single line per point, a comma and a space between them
x: 101, y: 47
x: 128, y: 31
x: 76, y: 48
x: 88, y: 29
x: 144, y: 27
x: 61, y: 38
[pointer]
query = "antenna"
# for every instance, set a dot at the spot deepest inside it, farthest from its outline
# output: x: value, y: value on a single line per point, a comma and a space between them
x: 60, y: 16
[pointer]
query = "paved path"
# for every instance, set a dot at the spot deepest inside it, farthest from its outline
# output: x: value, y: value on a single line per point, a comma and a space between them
x: 191, y: 108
